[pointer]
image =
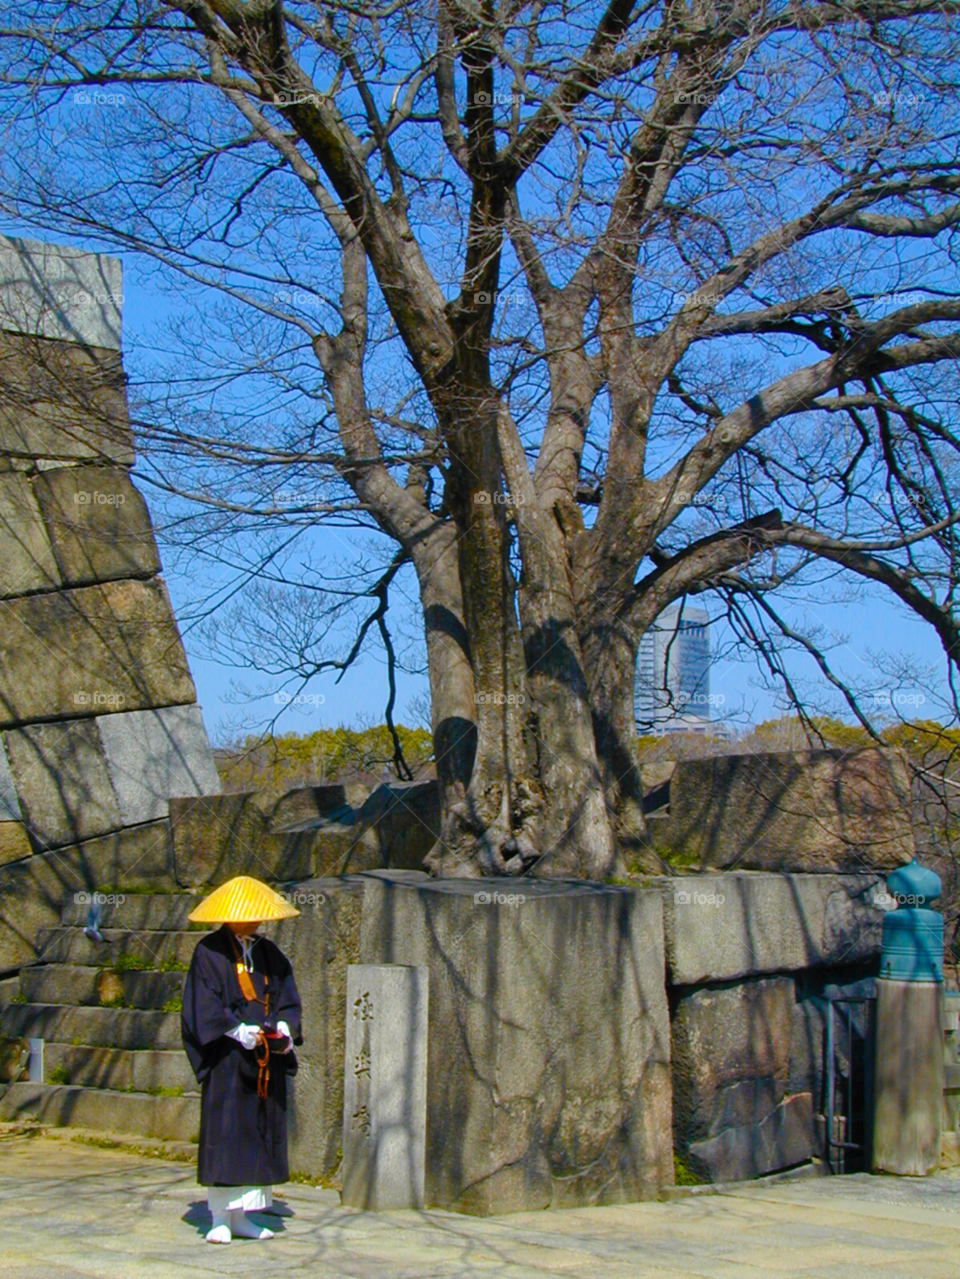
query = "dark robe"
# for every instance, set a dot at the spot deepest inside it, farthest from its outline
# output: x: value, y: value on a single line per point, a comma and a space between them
x: 243, y: 1137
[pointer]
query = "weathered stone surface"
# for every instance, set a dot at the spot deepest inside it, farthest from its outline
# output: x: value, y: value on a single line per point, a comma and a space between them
x: 320, y: 944
x: 9, y: 800
x: 62, y: 781
x: 92, y: 650
x: 404, y: 820
x: 27, y: 563
x: 741, y: 923
x: 781, y: 1139
x: 549, y: 1044
x: 34, y: 890
x: 154, y: 755
x: 218, y: 836
x: 14, y: 842
x: 60, y: 403
x: 385, y: 1087
x: 731, y: 1055
x: 734, y: 1116
x: 306, y: 806
x: 827, y: 810
x: 168, y: 1118
x: 60, y: 292
x: 98, y: 524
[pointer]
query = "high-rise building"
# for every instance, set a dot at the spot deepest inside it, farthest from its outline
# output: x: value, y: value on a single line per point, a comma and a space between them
x: 672, y: 689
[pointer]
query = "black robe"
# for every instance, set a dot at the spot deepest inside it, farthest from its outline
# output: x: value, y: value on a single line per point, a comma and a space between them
x: 243, y: 1137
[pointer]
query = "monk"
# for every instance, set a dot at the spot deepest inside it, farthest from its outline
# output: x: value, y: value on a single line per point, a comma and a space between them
x: 240, y: 1021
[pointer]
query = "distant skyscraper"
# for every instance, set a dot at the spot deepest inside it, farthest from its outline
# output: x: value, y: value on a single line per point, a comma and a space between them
x: 672, y: 689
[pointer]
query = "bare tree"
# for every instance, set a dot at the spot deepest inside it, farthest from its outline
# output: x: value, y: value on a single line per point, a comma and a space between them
x: 584, y: 308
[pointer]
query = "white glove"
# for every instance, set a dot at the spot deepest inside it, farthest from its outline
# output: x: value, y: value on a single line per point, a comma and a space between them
x: 284, y: 1029
x: 246, y: 1036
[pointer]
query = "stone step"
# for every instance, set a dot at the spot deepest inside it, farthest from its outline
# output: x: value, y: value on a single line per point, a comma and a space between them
x: 99, y: 1027
x: 71, y: 984
x: 9, y: 987
x: 164, y: 911
x: 119, y: 1069
x: 155, y: 948
x: 63, y: 1106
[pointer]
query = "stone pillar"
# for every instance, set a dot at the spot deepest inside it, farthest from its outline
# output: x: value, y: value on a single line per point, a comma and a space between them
x: 909, y: 1077
x: 385, y: 1087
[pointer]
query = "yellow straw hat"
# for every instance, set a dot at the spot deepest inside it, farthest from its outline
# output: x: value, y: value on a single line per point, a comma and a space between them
x: 242, y: 901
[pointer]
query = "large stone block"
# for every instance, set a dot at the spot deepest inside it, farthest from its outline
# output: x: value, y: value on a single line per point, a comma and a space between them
x: 61, y: 403
x: 741, y: 923
x: 549, y: 1047
x: 60, y: 292
x: 320, y: 944
x: 791, y: 811
x: 218, y: 836
x: 730, y: 1055
x: 14, y: 842
x: 98, y: 524
x: 27, y: 563
x: 154, y: 755
x: 404, y: 820
x: 91, y: 650
x: 385, y: 1087
x: 781, y: 1139
x: 62, y: 781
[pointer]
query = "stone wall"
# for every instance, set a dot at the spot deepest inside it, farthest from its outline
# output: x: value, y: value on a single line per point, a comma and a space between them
x: 750, y: 958
x: 99, y: 724
x: 828, y: 810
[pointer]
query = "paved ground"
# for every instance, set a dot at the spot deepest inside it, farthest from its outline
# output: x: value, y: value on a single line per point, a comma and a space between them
x: 68, y: 1211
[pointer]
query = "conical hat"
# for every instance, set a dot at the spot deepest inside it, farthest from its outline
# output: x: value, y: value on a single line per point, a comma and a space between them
x: 242, y: 901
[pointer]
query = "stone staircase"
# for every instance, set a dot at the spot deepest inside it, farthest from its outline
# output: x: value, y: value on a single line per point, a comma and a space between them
x: 109, y: 1017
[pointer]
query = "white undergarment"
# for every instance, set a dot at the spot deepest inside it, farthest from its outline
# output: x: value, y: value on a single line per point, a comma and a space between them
x: 221, y: 1199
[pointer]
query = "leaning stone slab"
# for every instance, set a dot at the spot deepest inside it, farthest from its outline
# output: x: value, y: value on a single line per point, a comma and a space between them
x: 27, y: 563
x: 61, y: 403
x: 62, y: 781
x: 154, y: 755
x: 60, y: 292
x: 549, y: 1038
x: 90, y: 651
x: 403, y: 818
x: 733, y: 925
x: 385, y: 1087
x: 98, y: 524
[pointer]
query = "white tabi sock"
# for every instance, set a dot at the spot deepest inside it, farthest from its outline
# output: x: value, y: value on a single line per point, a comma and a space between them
x: 220, y: 1231
x: 244, y: 1228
